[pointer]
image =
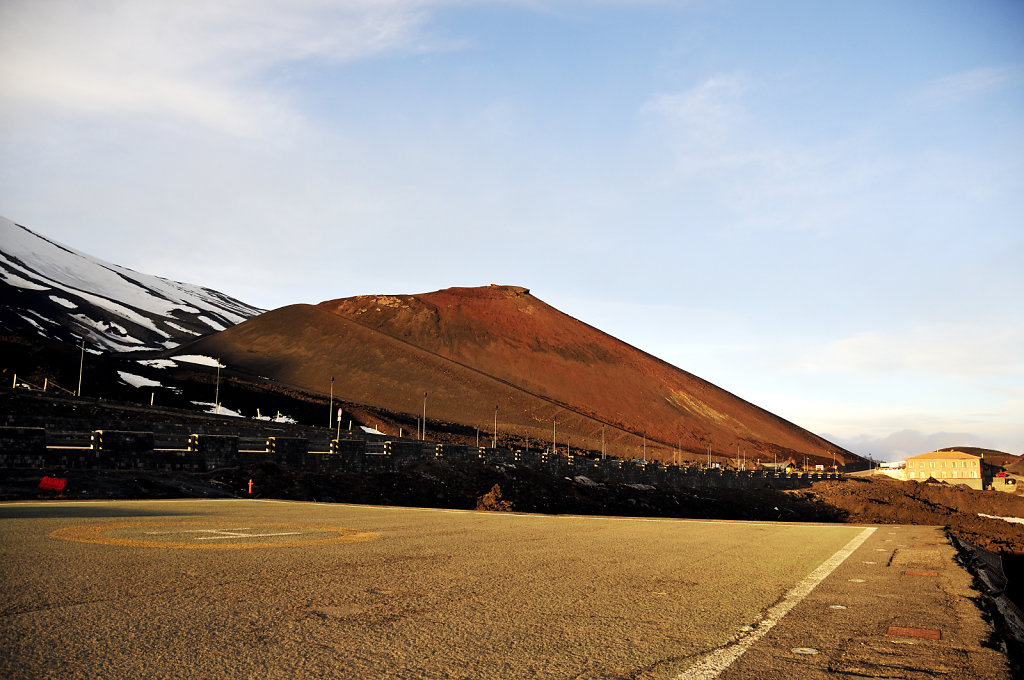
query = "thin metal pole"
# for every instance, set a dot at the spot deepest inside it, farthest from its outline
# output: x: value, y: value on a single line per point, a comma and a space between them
x: 216, y: 394
x: 553, y: 421
x: 81, y: 365
x: 602, y: 441
x: 424, y: 435
x: 330, y: 405
x: 494, y: 440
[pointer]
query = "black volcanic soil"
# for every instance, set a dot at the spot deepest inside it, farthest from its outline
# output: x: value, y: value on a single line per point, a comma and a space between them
x: 472, y: 485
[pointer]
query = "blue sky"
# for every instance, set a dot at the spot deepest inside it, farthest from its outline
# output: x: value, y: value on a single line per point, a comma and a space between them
x: 816, y: 206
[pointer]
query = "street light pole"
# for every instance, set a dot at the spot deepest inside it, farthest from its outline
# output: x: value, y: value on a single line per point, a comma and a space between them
x: 602, y: 441
x: 494, y: 440
x: 81, y: 365
x: 330, y: 405
x: 216, y: 393
x: 553, y: 421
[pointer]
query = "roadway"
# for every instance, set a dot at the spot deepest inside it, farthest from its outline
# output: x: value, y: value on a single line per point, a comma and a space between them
x: 238, y: 588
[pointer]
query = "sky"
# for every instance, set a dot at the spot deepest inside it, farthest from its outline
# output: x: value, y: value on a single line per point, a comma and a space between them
x: 817, y: 206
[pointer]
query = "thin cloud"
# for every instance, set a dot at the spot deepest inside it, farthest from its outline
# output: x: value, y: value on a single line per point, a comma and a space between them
x: 966, y: 85
x: 209, y: 64
x: 904, y: 443
x: 942, y: 349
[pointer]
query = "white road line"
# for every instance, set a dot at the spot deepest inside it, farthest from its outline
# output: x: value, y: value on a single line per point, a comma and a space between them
x: 717, y: 661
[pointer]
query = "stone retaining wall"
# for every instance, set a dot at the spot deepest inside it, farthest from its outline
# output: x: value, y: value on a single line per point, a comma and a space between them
x: 26, y: 448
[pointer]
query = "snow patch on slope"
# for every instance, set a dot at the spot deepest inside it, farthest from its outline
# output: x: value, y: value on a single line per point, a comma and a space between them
x: 159, y: 313
x: 138, y: 380
x: 199, y: 359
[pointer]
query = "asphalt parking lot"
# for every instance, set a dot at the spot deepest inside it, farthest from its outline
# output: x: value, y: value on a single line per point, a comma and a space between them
x: 239, y: 588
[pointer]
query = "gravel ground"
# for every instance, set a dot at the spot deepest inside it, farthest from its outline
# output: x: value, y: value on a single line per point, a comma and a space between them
x: 446, y: 484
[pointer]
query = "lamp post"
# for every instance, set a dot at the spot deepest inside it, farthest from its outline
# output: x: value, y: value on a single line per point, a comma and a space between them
x: 494, y: 440
x: 553, y: 421
x: 424, y: 435
x: 216, y: 393
x: 602, y: 441
x: 330, y: 405
x: 81, y: 365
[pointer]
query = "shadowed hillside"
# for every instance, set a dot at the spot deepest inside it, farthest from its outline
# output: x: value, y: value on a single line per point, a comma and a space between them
x: 472, y: 349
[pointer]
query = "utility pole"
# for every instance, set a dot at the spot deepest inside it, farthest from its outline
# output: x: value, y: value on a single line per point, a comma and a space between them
x: 81, y: 365
x: 330, y: 405
x: 216, y: 394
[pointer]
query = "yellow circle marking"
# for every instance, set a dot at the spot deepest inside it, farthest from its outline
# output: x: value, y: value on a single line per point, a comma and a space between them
x: 207, y: 535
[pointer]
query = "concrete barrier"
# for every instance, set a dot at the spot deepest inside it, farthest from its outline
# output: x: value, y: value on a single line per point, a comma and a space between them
x: 22, y: 447
x: 215, y: 450
x: 22, y: 440
x: 288, y: 450
x: 121, y: 441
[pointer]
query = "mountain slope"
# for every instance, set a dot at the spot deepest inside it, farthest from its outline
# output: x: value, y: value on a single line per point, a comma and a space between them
x: 473, y: 349
x: 56, y: 292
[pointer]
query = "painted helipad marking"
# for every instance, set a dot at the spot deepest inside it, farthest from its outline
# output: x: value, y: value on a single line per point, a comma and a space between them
x: 211, y: 535
x: 221, y: 533
x: 714, y: 663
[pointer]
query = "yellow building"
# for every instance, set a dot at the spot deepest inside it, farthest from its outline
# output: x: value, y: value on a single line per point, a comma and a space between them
x: 954, y: 467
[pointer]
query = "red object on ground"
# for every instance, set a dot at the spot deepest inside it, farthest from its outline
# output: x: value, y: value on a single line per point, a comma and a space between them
x: 250, y: 487
x: 53, y: 484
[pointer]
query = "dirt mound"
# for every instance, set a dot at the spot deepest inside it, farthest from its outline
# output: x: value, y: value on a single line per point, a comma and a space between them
x: 887, y: 501
x: 492, y: 501
x: 499, y: 353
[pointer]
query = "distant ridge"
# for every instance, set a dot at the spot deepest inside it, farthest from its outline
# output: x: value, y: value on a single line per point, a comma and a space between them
x: 55, y: 292
x: 550, y: 375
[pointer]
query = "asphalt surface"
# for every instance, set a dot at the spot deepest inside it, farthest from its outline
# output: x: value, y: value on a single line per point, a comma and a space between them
x: 262, y: 589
